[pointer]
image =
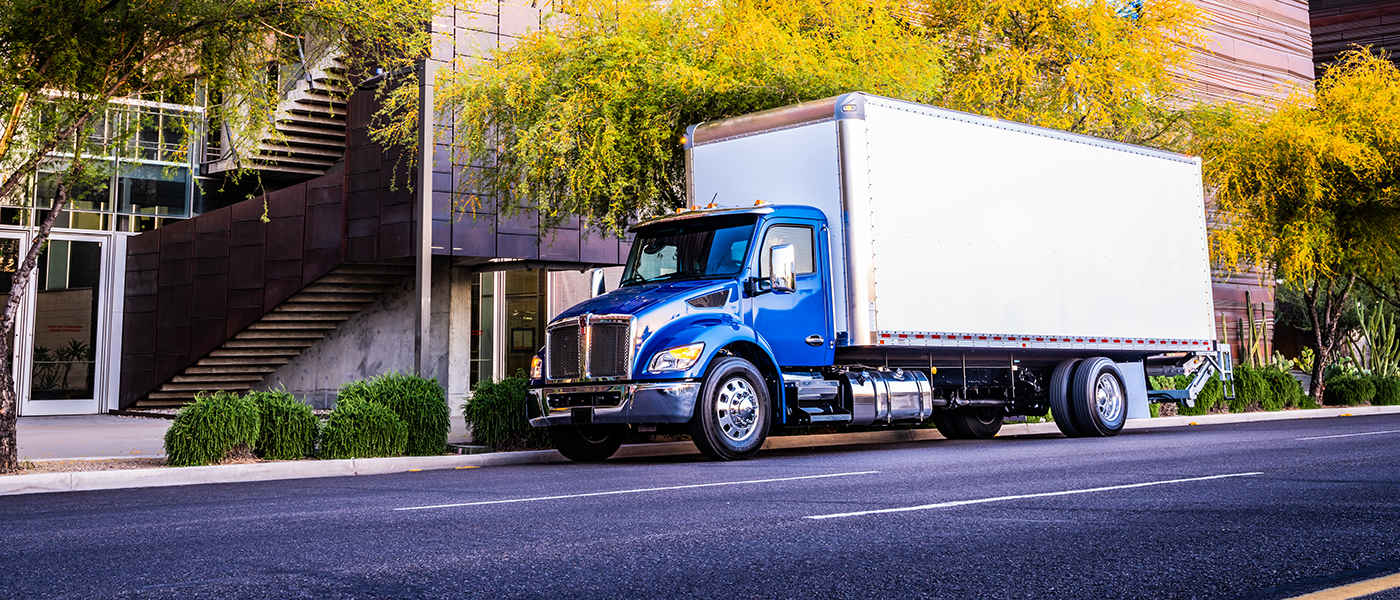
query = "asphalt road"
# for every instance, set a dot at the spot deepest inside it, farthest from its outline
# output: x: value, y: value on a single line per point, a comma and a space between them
x: 1279, y: 515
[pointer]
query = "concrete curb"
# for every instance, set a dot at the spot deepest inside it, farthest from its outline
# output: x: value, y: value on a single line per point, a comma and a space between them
x: 303, y: 469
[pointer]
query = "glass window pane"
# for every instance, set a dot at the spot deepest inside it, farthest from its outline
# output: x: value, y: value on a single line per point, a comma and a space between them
x: 65, y: 320
x: 483, y: 320
x: 801, y: 240
x: 152, y: 189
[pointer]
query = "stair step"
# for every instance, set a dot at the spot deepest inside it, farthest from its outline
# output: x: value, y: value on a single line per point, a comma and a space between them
x: 374, y: 269
x: 330, y: 134
x: 266, y: 353
x: 218, y: 378
x: 292, y: 117
x: 298, y: 325
x: 202, y: 369
x: 294, y: 149
x: 313, y: 297
x: 308, y: 316
x: 281, y: 334
x: 344, y: 288
x: 269, y: 344
x: 360, y: 279
x: 321, y: 307
x: 281, y: 158
x: 229, y: 361
x: 234, y: 386
x: 264, y: 165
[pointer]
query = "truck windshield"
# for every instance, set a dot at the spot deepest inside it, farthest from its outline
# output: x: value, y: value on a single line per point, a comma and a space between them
x: 710, y: 248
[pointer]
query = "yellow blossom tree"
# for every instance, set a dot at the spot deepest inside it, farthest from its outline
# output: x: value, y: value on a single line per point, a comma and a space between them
x: 1308, y: 188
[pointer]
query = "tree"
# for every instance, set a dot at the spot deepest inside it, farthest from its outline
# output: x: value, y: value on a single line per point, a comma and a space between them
x: 1308, y: 189
x: 585, y: 116
x: 63, y: 61
x: 1106, y: 68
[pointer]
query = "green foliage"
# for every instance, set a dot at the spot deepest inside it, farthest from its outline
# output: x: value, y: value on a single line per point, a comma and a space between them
x: 1284, y: 391
x: 1250, y: 388
x: 497, y: 416
x: 359, y: 428
x: 420, y: 403
x: 585, y: 115
x: 205, y: 431
x: 1387, y: 391
x: 1098, y: 67
x: 287, y: 428
x: 1347, y: 389
x: 1211, y: 396
x: 1381, y: 352
x: 1307, y: 188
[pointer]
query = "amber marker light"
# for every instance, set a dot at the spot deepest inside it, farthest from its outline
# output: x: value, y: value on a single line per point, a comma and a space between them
x: 536, y: 368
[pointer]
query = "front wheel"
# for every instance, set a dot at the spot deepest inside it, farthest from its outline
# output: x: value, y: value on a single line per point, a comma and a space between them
x: 733, y: 412
x: 586, y: 443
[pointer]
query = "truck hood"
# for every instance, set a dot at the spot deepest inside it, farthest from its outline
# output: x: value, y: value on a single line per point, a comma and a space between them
x: 637, y: 299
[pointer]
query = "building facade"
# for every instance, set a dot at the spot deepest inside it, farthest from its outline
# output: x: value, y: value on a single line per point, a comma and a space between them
x: 311, y: 285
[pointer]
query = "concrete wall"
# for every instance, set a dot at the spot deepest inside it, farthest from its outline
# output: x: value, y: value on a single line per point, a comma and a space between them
x: 379, y: 340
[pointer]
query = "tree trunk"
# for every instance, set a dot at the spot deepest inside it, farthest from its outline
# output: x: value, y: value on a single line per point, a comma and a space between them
x: 1326, y: 303
x: 9, y: 399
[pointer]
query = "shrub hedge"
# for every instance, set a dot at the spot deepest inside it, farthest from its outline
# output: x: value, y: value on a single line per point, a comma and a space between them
x: 359, y: 428
x: 420, y: 403
x: 497, y: 416
x: 1211, y: 395
x: 205, y: 431
x: 1387, y: 391
x: 286, y: 427
x: 1345, y: 389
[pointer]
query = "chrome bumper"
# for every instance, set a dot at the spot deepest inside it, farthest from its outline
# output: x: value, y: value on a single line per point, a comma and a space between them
x: 671, y: 402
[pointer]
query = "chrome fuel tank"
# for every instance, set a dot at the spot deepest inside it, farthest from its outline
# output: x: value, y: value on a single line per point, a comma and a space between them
x: 889, y: 396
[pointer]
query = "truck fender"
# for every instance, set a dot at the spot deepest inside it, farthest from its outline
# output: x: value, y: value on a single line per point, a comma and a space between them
x: 723, y: 335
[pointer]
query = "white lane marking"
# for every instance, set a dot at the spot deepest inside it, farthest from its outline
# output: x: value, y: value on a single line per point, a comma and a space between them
x: 1324, y: 437
x: 1023, y: 496
x: 639, y: 491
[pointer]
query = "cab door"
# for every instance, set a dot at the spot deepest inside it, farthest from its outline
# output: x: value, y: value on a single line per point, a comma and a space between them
x: 797, y: 325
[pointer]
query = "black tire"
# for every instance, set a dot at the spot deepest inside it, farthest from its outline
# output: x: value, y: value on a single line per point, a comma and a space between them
x: 586, y: 443
x: 1060, y: 398
x: 977, y: 423
x: 733, y: 412
x: 1099, y: 397
x: 943, y: 420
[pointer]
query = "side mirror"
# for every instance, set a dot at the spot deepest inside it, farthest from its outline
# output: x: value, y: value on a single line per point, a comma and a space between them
x: 784, y: 259
x: 598, y: 285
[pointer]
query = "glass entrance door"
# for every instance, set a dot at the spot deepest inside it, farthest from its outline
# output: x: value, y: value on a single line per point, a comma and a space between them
x: 63, y: 345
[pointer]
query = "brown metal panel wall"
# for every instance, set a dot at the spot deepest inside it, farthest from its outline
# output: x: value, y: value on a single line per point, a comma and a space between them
x: 193, y: 284
x: 1341, y: 24
x: 1256, y: 49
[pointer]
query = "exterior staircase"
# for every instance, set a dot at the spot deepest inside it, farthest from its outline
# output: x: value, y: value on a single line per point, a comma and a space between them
x: 282, y: 334
x: 307, y: 133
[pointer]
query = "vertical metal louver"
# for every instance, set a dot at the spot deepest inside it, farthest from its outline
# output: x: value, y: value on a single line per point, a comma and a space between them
x: 608, y: 344
x: 563, y: 356
x: 589, y: 347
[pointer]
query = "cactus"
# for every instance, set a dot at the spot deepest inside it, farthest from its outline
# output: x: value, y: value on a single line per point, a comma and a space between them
x: 1381, y: 354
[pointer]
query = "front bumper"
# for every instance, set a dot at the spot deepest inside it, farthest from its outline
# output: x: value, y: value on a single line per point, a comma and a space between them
x: 670, y: 402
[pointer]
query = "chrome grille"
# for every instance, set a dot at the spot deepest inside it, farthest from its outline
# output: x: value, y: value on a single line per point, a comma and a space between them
x: 607, y: 349
x: 589, y: 347
x: 563, y: 357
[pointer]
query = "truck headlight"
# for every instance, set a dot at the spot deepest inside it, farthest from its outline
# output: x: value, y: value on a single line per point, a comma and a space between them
x: 679, y: 358
x: 537, y: 368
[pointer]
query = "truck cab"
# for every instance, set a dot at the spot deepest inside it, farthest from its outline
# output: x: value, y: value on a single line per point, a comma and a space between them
x: 713, y: 305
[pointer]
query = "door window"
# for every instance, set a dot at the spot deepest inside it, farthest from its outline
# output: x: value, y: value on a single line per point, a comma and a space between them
x: 801, y: 239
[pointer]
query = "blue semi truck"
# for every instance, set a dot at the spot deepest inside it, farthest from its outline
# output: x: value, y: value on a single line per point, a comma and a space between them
x: 862, y: 261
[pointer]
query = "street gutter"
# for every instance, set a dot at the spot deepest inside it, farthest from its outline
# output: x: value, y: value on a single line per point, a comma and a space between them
x: 81, y: 481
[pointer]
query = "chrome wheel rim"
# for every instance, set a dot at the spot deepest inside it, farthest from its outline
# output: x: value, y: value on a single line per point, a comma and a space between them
x: 736, y: 409
x: 1108, y: 398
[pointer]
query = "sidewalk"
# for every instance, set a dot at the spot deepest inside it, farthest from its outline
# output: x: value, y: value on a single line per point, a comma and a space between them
x: 78, y: 437
x: 96, y: 437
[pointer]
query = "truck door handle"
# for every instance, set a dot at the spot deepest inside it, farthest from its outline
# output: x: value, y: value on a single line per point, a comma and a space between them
x: 814, y: 340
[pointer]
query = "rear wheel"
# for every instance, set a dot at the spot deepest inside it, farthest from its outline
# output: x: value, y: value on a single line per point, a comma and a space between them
x: 1099, y: 397
x: 968, y: 423
x: 586, y: 443
x: 733, y: 412
x: 1060, y: 409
